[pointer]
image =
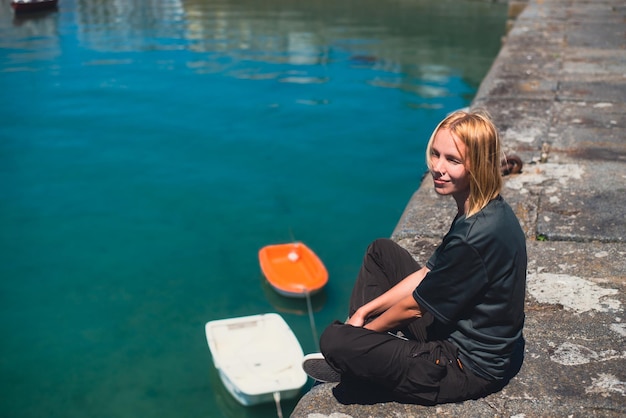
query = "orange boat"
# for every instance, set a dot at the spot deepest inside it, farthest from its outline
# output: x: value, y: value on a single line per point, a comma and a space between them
x: 293, y: 269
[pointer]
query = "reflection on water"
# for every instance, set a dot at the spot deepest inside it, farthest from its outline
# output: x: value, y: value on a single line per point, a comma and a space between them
x: 292, y: 305
x: 149, y: 148
x: 416, y: 40
x: 414, y: 43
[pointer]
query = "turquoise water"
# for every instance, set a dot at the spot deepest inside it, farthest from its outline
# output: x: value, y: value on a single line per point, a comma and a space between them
x: 149, y: 149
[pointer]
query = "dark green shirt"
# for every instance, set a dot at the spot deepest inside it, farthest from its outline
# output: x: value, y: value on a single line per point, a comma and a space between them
x: 476, y: 287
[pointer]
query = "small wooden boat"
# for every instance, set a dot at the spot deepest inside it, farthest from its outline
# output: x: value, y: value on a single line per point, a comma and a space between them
x: 258, y: 357
x: 29, y: 6
x: 293, y: 269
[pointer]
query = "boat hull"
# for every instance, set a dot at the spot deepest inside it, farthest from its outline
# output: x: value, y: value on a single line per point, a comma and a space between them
x: 247, y: 399
x: 256, y: 356
x: 34, y: 6
x: 293, y: 269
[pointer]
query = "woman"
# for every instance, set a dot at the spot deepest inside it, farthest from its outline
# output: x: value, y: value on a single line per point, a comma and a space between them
x: 451, y: 330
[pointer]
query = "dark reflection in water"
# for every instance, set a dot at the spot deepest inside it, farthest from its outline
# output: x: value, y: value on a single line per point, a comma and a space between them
x: 149, y: 148
x: 414, y: 39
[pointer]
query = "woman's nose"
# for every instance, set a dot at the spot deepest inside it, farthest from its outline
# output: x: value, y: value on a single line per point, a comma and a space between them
x: 437, y: 165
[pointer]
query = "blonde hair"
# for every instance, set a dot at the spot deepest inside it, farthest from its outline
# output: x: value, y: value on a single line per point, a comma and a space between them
x: 478, y: 133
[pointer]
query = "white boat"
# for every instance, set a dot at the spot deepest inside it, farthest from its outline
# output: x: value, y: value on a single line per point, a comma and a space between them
x: 258, y: 357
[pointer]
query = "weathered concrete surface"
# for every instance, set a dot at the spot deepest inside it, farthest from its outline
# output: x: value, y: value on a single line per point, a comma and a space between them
x: 557, y: 91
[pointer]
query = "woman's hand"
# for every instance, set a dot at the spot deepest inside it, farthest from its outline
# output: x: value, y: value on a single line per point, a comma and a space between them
x: 398, y: 316
x: 382, y: 303
x: 358, y: 319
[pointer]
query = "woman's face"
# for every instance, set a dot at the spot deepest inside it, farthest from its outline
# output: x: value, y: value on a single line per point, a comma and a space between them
x: 447, y: 166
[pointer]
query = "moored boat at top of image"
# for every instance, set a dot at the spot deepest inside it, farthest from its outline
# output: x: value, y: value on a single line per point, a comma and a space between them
x: 29, y: 6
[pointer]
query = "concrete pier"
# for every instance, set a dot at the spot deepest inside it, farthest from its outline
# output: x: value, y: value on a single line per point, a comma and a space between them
x: 557, y: 92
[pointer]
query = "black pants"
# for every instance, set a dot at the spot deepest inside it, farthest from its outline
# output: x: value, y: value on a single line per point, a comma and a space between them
x: 420, y: 369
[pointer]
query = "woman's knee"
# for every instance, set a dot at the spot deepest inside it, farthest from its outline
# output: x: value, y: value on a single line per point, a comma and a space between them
x: 381, y: 244
x: 338, y: 344
x: 332, y: 339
